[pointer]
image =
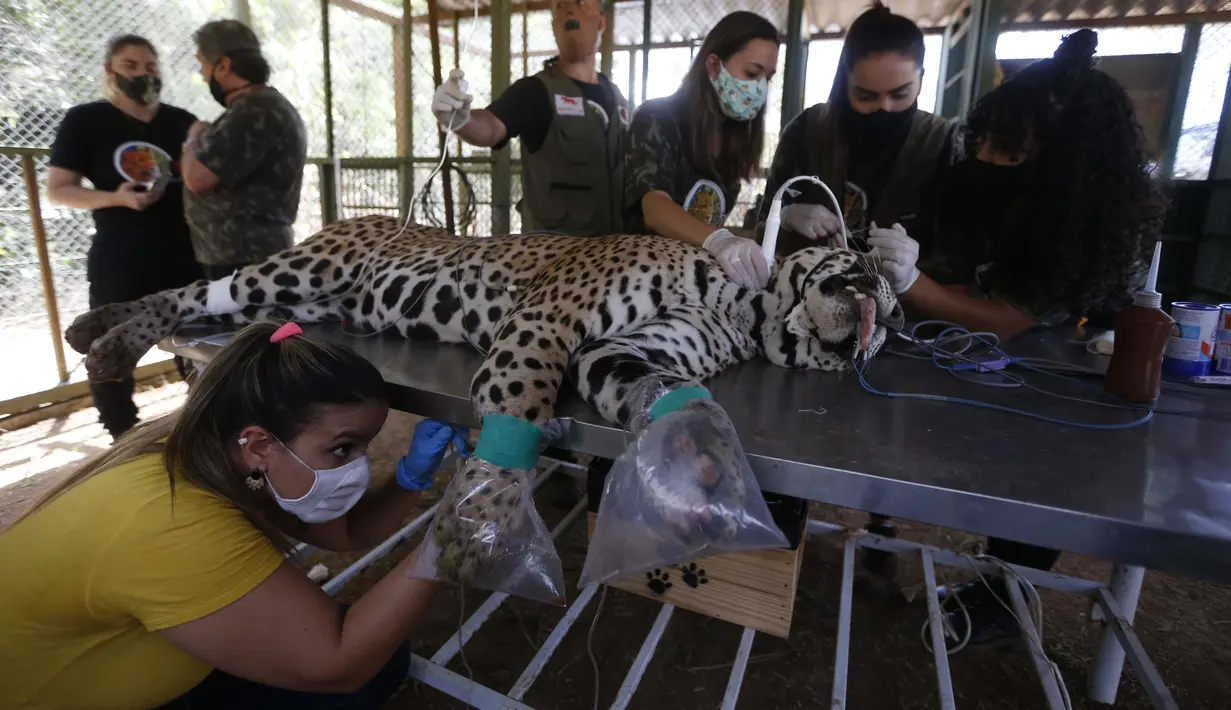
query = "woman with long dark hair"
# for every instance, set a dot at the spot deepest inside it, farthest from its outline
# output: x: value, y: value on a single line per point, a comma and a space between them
x: 1049, y: 219
x: 870, y: 144
x: 155, y: 576
x: 128, y: 147
x: 689, y: 153
x: 1051, y: 216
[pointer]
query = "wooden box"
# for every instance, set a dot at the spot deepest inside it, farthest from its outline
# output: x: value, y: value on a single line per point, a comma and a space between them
x: 752, y: 589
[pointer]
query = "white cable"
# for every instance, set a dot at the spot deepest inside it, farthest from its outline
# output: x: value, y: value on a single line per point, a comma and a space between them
x: 449, y: 134
x: 444, y: 155
x: 769, y: 243
x: 1034, y: 605
x: 602, y: 597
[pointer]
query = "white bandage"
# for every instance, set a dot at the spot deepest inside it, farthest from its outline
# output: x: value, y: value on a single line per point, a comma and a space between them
x: 218, y: 299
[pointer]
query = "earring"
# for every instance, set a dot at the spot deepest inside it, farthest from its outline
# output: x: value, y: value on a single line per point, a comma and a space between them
x: 255, y: 480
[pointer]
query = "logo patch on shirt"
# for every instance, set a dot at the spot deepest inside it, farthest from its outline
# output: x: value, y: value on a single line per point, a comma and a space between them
x: 602, y: 112
x: 706, y: 202
x: 569, y: 106
x: 138, y: 161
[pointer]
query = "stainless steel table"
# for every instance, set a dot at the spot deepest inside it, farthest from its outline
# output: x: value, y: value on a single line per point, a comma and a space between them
x: 1157, y: 495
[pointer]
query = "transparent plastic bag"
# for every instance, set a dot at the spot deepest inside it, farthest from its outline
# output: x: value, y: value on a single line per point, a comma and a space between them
x: 682, y: 490
x: 488, y: 534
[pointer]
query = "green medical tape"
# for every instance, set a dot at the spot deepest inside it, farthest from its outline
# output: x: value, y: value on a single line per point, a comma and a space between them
x: 675, y: 399
x: 508, y: 442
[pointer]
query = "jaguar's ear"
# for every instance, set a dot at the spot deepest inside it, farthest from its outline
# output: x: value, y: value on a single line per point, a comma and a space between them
x: 798, y: 323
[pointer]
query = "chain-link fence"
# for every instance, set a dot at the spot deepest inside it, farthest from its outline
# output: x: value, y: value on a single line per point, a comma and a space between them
x: 1206, y: 94
x: 376, y: 95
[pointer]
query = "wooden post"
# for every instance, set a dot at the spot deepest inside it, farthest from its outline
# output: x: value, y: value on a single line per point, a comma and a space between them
x: 433, y: 12
x: 44, y: 264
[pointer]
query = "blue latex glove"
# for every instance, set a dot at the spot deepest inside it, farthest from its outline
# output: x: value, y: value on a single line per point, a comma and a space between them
x: 427, y: 450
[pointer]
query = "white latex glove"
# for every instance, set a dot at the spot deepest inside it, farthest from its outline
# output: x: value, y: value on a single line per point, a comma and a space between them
x: 811, y: 221
x: 897, y: 255
x: 451, y: 103
x: 741, y: 259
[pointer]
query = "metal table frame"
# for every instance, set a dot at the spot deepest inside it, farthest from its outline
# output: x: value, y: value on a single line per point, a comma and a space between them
x: 1114, y: 604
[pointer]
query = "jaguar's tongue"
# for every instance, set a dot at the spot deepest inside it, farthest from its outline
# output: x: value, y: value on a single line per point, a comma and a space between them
x: 867, y: 321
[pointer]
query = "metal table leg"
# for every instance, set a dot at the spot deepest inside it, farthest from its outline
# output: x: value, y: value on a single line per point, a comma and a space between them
x: 1109, y: 662
x: 936, y: 626
x: 843, y: 653
x: 737, y: 671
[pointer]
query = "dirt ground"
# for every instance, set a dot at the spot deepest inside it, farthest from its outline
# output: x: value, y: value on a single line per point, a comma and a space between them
x: 1185, y: 625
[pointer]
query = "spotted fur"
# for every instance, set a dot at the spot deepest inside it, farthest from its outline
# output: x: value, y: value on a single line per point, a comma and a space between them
x: 609, y: 313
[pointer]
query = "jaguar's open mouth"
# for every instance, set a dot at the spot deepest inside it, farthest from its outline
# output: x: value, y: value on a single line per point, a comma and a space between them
x: 863, y: 302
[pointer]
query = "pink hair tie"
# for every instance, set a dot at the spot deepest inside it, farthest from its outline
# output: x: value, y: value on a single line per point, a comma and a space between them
x: 286, y: 331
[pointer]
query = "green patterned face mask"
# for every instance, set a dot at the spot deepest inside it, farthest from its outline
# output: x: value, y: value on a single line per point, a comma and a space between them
x: 740, y: 99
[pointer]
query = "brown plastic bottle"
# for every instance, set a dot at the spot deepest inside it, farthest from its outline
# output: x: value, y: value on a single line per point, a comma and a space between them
x: 1136, y: 369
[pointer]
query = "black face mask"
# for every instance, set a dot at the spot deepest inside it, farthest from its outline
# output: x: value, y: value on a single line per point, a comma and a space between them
x: 1003, y: 181
x: 879, y: 128
x: 142, y: 89
x: 216, y: 90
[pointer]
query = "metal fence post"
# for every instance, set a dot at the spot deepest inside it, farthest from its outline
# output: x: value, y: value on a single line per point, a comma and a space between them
x: 329, y: 186
x: 44, y: 263
x: 796, y: 63
x: 502, y: 166
x: 1174, y: 121
x: 608, y: 44
x: 404, y: 75
x: 242, y: 12
x: 647, y: 13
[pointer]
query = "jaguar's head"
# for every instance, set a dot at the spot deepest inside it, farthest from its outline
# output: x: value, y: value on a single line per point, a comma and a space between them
x: 836, y: 297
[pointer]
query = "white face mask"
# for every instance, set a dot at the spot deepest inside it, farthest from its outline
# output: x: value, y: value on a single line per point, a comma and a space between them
x: 335, y: 491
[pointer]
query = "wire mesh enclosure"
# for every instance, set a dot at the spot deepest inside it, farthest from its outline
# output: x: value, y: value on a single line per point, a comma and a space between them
x: 362, y: 74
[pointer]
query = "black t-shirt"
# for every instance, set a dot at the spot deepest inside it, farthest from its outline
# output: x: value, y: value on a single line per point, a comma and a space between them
x: 657, y: 161
x: 526, y: 110
x: 109, y: 148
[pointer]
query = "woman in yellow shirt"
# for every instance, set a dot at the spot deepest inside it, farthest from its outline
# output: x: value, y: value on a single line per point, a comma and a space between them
x: 132, y: 587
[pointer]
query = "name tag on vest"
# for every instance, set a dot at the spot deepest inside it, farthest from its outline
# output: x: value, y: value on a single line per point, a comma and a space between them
x: 569, y: 106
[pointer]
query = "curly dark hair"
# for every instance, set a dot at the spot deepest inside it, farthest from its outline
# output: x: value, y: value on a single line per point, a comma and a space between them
x: 1091, y: 211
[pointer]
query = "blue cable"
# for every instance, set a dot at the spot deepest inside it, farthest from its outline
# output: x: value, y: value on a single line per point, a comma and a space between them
x: 987, y: 405
x: 1015, y: 381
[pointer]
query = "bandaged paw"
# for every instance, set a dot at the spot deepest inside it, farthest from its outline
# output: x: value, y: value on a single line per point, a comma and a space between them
x: 682, y: 490
x: 486, y: 532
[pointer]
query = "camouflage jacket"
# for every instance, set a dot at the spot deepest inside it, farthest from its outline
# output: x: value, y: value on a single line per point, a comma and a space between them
x: 257, y: 148
x: 657, y: 161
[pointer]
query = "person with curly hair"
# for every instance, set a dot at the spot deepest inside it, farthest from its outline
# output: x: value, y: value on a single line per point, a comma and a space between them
x: 1050, y: 216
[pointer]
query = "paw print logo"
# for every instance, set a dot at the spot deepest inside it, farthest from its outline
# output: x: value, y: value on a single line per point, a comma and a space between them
x: 692, y: 576
x: 658, y: 581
